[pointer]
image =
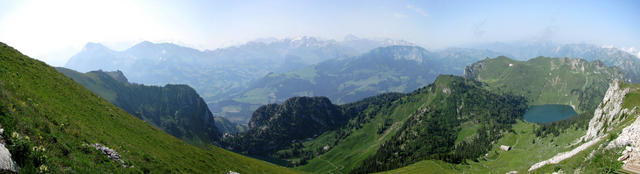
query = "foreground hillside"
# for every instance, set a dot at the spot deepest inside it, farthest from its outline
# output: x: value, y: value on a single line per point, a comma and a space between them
x: 44, y: 109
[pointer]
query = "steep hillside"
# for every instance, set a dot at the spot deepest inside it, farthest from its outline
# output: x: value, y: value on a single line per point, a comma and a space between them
x: 542, y: 80
x: 386, y: 69
x: 227, y: 127
x: 176, y: 109
x: 49, y: 120
x: 275, y: 126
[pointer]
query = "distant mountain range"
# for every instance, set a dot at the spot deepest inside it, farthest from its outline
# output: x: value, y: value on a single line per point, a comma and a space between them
x: 235, y: 81
x: 217, y: 73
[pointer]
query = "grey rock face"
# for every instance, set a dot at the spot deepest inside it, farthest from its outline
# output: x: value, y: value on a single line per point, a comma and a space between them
x: 606, y: 116
x: 112, y: 154
x: 6, y: 162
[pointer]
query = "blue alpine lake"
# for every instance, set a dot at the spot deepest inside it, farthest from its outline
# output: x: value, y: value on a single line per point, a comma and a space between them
x: 548, y: 113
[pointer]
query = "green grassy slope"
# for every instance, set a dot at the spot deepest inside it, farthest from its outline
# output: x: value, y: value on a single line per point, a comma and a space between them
x: 543, y: 80
x: 62, y: 116
x: 527, y: 149
x: 362, y: 142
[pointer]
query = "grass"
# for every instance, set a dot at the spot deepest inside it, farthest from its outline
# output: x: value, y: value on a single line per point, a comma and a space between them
x: 427, y: 167
x: 467, y: 129
x: 363, y: 142
x: 632, y: 99
x: 62, y: 116
x: 524, y: 153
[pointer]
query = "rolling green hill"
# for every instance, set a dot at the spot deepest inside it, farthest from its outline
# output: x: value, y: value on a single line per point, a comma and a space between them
x: 176, y: 109
x: 42, y: 108
x: 543, y: 80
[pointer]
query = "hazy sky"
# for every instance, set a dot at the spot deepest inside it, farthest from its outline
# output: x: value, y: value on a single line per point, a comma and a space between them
x: 55, y: 30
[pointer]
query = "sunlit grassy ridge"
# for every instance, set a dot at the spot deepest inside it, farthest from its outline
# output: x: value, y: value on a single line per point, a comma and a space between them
x: 63, y: 117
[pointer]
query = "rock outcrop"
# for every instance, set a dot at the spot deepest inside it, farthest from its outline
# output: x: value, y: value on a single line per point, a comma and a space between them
x: 607, y: 114
x: 629, y: 138
x: 112, y: 154
x: 606, y: 117
x: 6, y: 162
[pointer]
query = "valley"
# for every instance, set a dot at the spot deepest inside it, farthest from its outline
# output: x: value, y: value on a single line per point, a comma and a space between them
x: 326, y: 87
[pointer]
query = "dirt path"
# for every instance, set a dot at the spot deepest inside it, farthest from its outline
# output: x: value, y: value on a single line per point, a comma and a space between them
x: 564, y: 155
x: 335, y: 167
x: 386, y: 132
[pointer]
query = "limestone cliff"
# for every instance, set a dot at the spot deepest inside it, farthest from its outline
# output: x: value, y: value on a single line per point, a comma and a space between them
x: 608, y: 114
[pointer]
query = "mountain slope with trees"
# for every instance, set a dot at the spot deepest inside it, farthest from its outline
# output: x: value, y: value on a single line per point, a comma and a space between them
x: 176, y: 109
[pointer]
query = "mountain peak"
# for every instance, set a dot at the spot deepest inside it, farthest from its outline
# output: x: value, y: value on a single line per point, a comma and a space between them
x: 143, y: 44
x: 94, y: 46
x: 350, y: 37
x: 117, y: 75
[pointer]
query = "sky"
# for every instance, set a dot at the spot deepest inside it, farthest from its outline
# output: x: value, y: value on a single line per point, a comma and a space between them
x: 53, y: 31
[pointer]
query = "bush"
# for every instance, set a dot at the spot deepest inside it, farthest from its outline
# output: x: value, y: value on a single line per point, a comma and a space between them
x: 27, y: 155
